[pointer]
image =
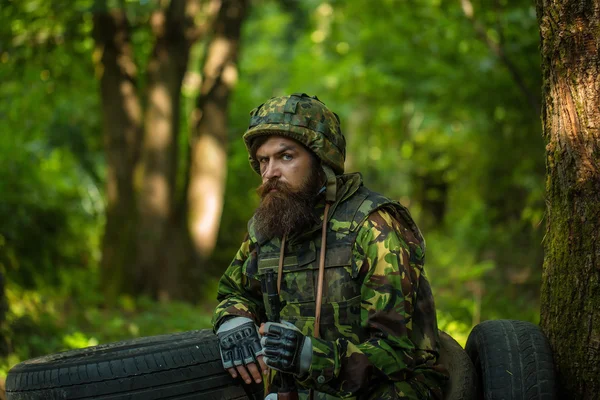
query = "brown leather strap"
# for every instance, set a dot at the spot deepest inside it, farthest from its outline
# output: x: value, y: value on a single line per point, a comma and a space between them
x: 279, y: 275
x: 321, y: 273
x: 280, y: 269
x: 311, y: 392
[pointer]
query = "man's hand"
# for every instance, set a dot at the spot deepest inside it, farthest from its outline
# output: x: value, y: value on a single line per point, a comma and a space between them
x: 286, y: 349
x: 240, y: 349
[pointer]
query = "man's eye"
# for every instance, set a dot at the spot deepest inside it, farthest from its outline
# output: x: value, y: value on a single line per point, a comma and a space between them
x: 287, y: 157
x: 262, y: 160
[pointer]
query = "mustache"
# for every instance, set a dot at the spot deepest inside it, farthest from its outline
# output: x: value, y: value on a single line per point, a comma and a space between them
x: 271, y: 184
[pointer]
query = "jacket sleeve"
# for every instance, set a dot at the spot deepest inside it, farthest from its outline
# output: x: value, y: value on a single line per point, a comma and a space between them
x: 400, y: 349
x: 238, y: 295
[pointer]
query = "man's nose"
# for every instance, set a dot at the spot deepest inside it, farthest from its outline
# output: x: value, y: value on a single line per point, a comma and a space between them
x: 271, y: 171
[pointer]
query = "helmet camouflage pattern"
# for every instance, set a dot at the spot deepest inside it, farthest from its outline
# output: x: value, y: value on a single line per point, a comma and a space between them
x: 303, y: 118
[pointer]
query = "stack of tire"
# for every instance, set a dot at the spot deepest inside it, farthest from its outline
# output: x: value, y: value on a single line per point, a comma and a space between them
x: 508, y: 360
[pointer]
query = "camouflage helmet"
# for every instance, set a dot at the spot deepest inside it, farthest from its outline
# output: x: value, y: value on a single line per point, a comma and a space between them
x: 303, y: 118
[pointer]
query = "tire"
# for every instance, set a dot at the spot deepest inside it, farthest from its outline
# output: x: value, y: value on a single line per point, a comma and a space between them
x: 183, y: 365
x: 513, y: 361
x: 461, y: 385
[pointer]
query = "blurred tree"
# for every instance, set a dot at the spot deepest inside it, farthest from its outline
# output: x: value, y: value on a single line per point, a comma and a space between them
x: 570, y: 313
x: 147, y: 245
x: 174, y: 30
x: 122, y: 116
x: 208, y: 163
x: 3, y: 309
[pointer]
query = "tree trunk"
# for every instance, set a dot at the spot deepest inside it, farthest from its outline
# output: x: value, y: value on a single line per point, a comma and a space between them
x: 121, y: 112
x: 159, y: 159
x: 3, y: 310
x: 209, y: 137
x: 147, y: 243
x: 570, y: 312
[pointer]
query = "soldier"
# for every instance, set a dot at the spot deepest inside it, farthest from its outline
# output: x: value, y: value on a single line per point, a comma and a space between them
x: 358, y: 315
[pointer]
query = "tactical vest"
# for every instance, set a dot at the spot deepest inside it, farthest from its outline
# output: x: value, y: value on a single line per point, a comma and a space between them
x: 340, y: 315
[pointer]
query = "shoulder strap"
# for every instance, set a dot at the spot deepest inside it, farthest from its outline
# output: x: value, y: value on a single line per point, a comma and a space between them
x: 374, y: 201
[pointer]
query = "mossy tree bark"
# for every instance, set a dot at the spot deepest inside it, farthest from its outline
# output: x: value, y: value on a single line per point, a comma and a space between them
x: 570, y: 313
x: 3, y: 310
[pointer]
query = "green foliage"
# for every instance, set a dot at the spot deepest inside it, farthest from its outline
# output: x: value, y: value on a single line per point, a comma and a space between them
x: 434, y: 117
x: 51, y: 211
x: 50, y: 172
x: 72, y: 315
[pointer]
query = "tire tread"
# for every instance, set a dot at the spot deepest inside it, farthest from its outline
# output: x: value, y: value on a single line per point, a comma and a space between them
x: 179, y: 366
x: 513, y: 360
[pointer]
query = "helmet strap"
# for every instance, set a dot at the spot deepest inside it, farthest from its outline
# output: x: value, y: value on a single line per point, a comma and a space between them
x: 331, y: 192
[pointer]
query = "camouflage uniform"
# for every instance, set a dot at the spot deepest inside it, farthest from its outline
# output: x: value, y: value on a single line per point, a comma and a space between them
x: 378, y: 336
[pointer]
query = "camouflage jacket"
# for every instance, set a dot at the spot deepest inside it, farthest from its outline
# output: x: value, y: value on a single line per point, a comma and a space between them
x: 378, y: 337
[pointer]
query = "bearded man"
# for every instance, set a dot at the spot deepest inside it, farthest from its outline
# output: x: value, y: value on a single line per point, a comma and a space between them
x: 358, y: 315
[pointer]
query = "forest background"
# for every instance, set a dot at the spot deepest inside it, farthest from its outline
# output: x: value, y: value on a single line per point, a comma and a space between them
x: 439, y: 102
